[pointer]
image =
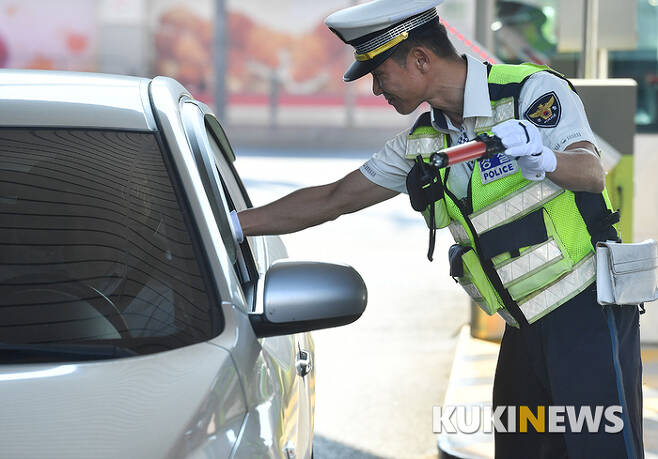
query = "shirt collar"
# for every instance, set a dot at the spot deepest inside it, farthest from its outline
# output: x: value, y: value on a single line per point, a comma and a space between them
x: 476, y: 90
x: 476, y: 95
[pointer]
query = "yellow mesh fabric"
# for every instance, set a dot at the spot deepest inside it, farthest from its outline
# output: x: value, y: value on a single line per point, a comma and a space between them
x: 424, y: 131
x: 569, y: 225
x: 485, y: 195
x: 608, y: 204
x: 507, y: 73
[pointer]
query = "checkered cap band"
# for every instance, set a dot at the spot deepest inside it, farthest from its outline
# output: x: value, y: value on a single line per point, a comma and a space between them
x: 391, y: 34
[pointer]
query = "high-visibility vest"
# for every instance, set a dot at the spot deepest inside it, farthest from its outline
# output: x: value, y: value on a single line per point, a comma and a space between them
x: 522, y: 244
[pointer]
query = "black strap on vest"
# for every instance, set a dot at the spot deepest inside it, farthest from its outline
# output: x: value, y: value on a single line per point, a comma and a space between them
x: 511, y: 237
x: 488, y: 266
x: 432, y: 243
x: 598, y: 218
x: 424, y: 120
x: 425, y: 188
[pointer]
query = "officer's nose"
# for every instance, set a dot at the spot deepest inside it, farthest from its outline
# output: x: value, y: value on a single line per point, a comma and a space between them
x: 376, y: 89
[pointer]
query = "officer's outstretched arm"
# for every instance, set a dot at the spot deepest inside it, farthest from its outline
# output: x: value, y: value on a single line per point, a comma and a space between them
x: 312, y: 206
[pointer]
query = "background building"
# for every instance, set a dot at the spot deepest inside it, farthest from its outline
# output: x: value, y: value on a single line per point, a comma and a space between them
x: 276, y: 62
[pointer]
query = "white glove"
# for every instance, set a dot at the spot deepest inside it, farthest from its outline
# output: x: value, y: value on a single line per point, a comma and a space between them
x: 534, y: 167
x: 236, y: 229
x: 522, y: 141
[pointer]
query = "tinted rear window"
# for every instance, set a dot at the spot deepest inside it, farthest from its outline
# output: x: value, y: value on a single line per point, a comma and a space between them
x: 94, y: 246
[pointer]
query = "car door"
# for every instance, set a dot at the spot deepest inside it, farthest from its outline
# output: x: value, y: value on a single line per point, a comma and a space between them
x: 284, y: 350
x: 281, y: 406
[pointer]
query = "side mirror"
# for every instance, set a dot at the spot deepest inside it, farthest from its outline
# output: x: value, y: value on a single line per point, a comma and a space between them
x: 305, y: 296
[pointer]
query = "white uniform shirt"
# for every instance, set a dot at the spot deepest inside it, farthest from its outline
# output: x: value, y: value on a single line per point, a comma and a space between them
x: 389, y: 168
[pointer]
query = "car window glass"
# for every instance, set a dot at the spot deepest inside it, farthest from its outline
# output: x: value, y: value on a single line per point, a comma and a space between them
x: 227, y: 174
x: 238, y: 201
x: 96, y: 248
x: 220, y: 136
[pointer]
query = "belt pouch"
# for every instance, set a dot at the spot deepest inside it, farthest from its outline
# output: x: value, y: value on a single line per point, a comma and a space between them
x: 627, y: 273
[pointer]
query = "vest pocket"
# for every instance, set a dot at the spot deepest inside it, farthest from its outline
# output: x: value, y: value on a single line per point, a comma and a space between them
x: 441, y: 217
x: 537, y: 265
x: 473, y: 280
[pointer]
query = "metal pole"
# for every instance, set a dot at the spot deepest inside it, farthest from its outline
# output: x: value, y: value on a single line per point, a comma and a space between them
x: 583, y: 44
x: 590, y: 39
x: 350, y: 99
x: 604, y: 63
x: 221, y: 57
x: 274, y: 82
x: 485, y: 13
x: 350, y: 92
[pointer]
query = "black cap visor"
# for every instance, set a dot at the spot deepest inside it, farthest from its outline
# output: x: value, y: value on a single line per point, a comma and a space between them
x: 361, y: 68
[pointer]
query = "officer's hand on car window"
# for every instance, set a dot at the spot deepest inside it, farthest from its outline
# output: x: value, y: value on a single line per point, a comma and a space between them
x: 236, y: 228
x: 522, y: 141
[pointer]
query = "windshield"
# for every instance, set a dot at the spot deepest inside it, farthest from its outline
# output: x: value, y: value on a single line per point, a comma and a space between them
x: 94, y: 249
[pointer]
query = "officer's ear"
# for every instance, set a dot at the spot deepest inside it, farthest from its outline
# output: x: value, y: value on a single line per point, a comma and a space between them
x: 420, y: 59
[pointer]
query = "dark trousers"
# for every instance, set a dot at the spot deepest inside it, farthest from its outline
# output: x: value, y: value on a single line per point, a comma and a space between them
x: 578, y: 355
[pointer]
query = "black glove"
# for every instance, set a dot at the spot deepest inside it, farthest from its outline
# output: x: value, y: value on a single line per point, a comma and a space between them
x: 423, y: 185
x: 425, y: 188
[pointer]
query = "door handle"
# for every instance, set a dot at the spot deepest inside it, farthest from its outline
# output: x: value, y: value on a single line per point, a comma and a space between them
x: 303, y: 363
x: 290, y: 450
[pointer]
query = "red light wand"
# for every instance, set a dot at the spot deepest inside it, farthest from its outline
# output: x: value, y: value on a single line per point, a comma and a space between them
x: 485, y: 146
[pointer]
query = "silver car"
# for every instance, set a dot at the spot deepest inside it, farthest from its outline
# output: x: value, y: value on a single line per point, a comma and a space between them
x: 132, y: 325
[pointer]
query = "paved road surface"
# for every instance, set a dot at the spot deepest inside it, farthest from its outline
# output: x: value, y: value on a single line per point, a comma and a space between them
x: 377, y: 379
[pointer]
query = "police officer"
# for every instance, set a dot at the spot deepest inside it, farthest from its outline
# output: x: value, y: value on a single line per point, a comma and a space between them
x: 525, y: 222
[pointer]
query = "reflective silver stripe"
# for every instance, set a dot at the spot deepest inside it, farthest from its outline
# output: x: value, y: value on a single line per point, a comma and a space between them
x: 583, y: 274
x: 424, y: 146
x: 529, y: 261
x: 475, y: 294
x: 501, y: 111
x: 515, y: 205
x: 472, y: 290
x: 507, y: 317
x: 458, y: 233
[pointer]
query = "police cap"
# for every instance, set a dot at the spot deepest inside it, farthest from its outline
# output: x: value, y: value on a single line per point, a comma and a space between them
x: 374, y: 29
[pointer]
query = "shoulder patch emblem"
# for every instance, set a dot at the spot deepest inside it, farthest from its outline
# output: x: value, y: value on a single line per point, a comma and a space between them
x: 545, y: 112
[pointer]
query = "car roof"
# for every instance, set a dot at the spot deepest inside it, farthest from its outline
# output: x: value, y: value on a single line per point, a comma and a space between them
x: 38, y: 98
